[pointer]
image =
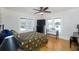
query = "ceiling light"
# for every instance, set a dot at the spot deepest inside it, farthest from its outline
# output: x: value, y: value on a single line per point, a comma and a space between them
x: 41, y: 13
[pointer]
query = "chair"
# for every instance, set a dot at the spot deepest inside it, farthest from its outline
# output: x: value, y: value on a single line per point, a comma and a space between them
x: 73, y: 40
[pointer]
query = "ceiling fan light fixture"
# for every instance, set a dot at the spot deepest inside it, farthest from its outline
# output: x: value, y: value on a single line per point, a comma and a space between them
x: 41, y: 13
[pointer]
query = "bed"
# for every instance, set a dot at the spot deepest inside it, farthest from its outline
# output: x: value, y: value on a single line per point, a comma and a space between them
x: 31, y: 41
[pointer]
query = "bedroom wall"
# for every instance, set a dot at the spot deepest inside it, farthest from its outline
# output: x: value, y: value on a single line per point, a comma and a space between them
x: 11, y: 19
x: 69, y: 19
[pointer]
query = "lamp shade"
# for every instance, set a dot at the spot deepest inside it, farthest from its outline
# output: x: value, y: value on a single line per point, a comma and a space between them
x: 10, y: 43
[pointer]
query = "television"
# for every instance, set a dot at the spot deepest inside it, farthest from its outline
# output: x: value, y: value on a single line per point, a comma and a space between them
x: 40, y: 22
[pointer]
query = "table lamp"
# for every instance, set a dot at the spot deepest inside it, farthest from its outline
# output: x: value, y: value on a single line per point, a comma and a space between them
x: 10, y: 43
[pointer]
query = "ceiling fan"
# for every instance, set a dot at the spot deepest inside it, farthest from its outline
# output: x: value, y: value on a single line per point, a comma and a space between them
x: 42, y: 10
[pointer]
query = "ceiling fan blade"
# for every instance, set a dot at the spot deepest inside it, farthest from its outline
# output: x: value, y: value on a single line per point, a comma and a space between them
x: 45, y: 8
x: 36, y: 12
x: 36, y: 9
x: 47, y: 11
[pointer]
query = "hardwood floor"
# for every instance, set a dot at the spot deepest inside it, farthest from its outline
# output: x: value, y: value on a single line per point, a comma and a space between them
x: 57, y: 45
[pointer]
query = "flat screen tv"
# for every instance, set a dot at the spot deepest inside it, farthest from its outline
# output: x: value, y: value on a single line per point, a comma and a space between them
x: 40, y: 22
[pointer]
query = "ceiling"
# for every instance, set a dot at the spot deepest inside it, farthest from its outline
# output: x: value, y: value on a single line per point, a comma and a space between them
x: 30, y: 9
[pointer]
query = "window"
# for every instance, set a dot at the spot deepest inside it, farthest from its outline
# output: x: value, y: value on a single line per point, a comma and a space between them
x: 50, y: 27
x: 22, y: 25
x: 57, y: 24
x: 53, y: 25
x: 26, y: 25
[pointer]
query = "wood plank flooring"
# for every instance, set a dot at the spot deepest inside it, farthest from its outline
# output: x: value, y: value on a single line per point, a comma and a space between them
x: 57, y: 45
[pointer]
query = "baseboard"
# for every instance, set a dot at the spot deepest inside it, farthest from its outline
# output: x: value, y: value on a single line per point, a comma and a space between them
x: 54, y: 36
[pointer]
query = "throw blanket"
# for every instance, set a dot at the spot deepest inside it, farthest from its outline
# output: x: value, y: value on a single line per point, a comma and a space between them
x: 32, y: 40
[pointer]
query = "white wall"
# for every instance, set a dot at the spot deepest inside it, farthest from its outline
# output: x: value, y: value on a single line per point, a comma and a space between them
x: 11, y: 18
x: 69, y: 19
